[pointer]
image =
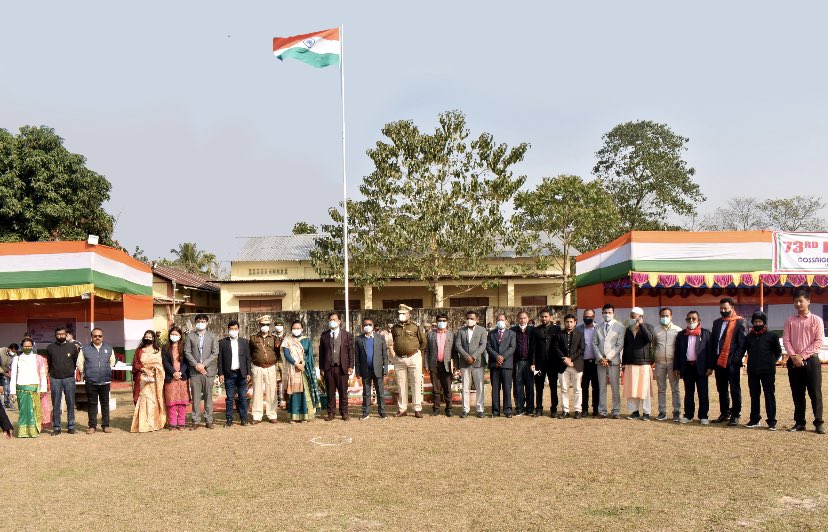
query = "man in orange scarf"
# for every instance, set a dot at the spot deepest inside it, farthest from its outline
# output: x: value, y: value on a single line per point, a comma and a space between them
x: 727, y: 341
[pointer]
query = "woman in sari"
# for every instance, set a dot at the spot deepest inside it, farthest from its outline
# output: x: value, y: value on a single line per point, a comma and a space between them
x: 28, y: 382
x: 299, y: 375
x: 176, y: 388
x: 148, y: 386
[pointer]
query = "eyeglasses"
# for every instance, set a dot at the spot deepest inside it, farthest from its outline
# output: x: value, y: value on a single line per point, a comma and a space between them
x: 97, y: 336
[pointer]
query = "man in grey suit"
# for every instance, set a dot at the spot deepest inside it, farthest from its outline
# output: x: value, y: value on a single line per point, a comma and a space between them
x: 608, y: 345
x: 500, y: 347
x: 470, y: 344
x: 371, y: 366
x: 440, y: 363
x: 201, y: 350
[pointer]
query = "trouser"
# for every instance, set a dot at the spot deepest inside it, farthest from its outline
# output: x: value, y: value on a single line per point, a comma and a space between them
x: 589, y: 377
x: 264, y: 382
x: 524, y: 387
x: 758, y: 383
x: 501, y: 387
x: 571, y: 378
x: 808, y: 377
x: 664, y: 373
x: 477, y: 375
x: 695, y: 383
x: 4, y: 381
x: 634, y: 404
x: 235, y: 387
x: 61, y: 387
x: 373, y: 382
x: 177, y: 415
x: 336, y: 383
x: 614, y: 373
x: 201, y: 389
x: 729, y: 404
x: 545, y: 374
x: 409, y: 372
x: 441, y: 387
x: 97, y: 394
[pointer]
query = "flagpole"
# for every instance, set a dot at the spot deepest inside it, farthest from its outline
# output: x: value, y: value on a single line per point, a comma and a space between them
x: 344, y: 175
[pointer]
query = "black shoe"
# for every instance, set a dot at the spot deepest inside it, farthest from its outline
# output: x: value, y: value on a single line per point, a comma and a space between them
x: 228, y: 424
x: 495, y: 414
x: 554, y: 415
x: 720, y: 419
x: 464, y: 415
x: 797, y: 428
x: 645, y: 417
x: 535, y: 414
x: 243, y: 423
x: 71, y: 431
x: 509, y: 415
x: 661, y: 416
x: 819, y: 429
x: 733, y: 421
x: 448, y: 413
x: 602, y: 416
x: 480, y: 415
x: 753, y: 425
x: 435, y: 412
x: 616, y: 416
x: 577, y: 415
x: 55, y: 433
x: 634, y: 415
x: 383, y: 416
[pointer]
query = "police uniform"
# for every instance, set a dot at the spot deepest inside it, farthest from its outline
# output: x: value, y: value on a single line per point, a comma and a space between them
x: 267, y: 371
x: 409, y: 343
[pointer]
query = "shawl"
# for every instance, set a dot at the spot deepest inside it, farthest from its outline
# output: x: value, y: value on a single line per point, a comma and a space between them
x: 292, y: 373
x: 724, y: 351
x: 692, y: 332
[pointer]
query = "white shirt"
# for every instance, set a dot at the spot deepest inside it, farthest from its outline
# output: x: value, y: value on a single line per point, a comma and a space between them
x: 470, y: 333
x: 234, y: 349
x: 24, y: 372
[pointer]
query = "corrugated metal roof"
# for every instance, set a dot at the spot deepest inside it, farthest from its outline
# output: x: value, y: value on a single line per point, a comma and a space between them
x: 184, y: 278
x: 276, y: 248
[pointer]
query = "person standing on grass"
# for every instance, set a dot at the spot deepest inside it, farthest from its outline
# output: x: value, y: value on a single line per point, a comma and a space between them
x: 608, y: 344
x: 267, y: 371
x: 500, y: 348
x: 637, y: 362
x: 569, y: 348
x: 802, y: 336
x: 371, y: 360
x: 336, y: 360
x: 28, y: 383
x: 409, y: 342
x: 299, y: 374
x: 470, y: 345
x: 664, y: 343
x: 176, y: 384
x: 95, y: 363
x: 62, y: 357
x: 234, y: 372
x: 201, y: 349
x: 6, y: 356
x: 545, y: 364
x: 148, y: 386
x: 524, y: 379
x: 763, y: 350
x: 694, y: 364
x: 728, y: 337
x: 590, y: 372
x: 440, y: 363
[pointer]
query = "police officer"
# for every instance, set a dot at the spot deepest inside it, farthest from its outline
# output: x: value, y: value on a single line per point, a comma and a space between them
x: 267, y: 371
x: 409, y: 344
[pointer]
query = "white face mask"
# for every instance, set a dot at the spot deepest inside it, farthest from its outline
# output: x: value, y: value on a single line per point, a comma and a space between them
x: 522, y: 327
x: 501, y: 324
x: 201, y: 326
x: 471, y: 323
x: 607, y: 318
x: 265, y: 328
x: 296, y: 332
x: 280, y: 328
x: 333, y: 324
x: 368, y: 328
x: 442, y: 325
x: 174, y: 338
x: 233, y: 333
x: 402, y: 317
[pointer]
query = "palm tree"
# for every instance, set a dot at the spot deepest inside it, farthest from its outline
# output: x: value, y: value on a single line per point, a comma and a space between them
x: 189, y: 258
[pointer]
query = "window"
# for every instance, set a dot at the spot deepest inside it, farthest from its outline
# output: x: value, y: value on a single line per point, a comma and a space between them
x: 533, y: 301
x: 395, y: 303
x: 260, y: 305
x: 469, y: 302
x: 353, y: 304
x: 267, y: 271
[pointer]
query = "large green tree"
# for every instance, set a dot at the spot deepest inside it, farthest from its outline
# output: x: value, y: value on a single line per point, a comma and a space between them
x: 432, y: 209
x: 642, y: 166
x: 561, y: 216
x: 190, y: 258
x: 47, y: 192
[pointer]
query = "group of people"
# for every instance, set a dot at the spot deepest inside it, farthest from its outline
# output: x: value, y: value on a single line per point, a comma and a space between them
x: 279, y: 368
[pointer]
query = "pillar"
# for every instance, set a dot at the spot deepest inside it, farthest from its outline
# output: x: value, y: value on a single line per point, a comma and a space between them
x: 438, y: 295
x: 296, y: 297
x: 510, y: 293
x: 368, y: 299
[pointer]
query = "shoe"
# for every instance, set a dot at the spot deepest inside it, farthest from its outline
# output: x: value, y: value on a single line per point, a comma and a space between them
x: 661, y: 416
x: 345, y: 417
x: 329, y: 417
x: 255, y: 422
x: 273, y: 421
x: 721, y: 419
x: 616, y: 416
x: 418, y: 414
x: 448, y: 413
x: 401, y: 413
x: 676, y: 417
x: 495, y: 414
x: 634, y: 415
x: 383, y: 416
x: 364, y: 416
x: 55, y: 433
x: 772, y: 428
x: 602, y: 416
x: 733, y: 421
x: 480, y: 415
x: 753, y: 425
x: 91, y: 430
x: 194, y: 426
x: 819, y: 429
x: 209, y: 425
x: 578, y: 415
x: 71, y: 431
x: 535, y: 414
x: 797, y: 428
x: 228, y: 424
x: 435, y: 412
x: 553, y: 415
x: 685, y: 420
x: 464, y: 415
x: 243, y: 423
x: 106, y: 430
x: 518, y: 413
x: 646, y: 417
x: 509, y: 415
x: 704, y: 421
x: 181, y: 427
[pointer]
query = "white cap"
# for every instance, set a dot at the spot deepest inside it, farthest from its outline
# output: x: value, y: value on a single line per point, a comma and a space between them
x: 638, y: 310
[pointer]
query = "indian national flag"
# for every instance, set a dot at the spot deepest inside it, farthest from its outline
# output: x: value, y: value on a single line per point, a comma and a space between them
x: 318, y: 49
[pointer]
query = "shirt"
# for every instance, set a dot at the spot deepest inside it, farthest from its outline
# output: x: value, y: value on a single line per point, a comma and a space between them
x: 201, y: 346
x: 470, y: 332
x: 24, y: 372
x: 588, y: 332
x: 803, y: 335
x: 441, y: 344
x: 369, y: 348
x: 234, y: 349
x: 665, y: 342
x: 522, y: 352
x: 691, y: 347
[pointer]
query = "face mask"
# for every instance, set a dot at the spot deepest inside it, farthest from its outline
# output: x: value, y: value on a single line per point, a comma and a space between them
x: 522, y: 327
x: 693, y: 324
x: 201, y: 326
x: 296, y: 332
x: 758, y: 328
x: 607, y: 317
x: 725, y: 313
x: 501, y: 324
x: 280, y: 328
x: 61, y: 340
x: 588, y: 321
x: 664, y: 320
x: 333, y: 324
x: 442, y: 325
x: 233, y: 333
x: 631, y: 323
x: 265, y: 328
x: 368, y: 328
x: 471, y: 323
x: 402, y: 317
x: 27, y: 350
x: 174, y: 338
x: 146, y: 341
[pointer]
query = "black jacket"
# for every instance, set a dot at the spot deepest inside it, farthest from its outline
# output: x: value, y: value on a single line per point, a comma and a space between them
x: 737, y: 343
x: 762, y: 352
x: 225, y: 357
x: 572, y: 348
x: 543, y: 356
x: 704, y: 359
x: 62, y: 359
x: 169, y: 368
x: 637, y: 347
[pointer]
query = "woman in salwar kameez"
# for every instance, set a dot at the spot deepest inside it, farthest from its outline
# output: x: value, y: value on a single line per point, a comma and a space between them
x: 45, y: 400
x: 148, y: 386
x: 28, y: 382
x: 299, y: 375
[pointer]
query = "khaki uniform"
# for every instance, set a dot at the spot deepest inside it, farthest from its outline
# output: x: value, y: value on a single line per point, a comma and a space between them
x: 409, y: 341
x: 267, y: 372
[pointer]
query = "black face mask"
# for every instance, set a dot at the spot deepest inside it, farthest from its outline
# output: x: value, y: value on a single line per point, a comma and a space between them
x: 725, y: 313
x: 588, y: 321
x: 758, y: 328
x: 146, y: 342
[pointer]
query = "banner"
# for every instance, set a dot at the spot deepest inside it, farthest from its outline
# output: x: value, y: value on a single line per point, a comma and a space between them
x: 800, y: 253
x: 42, y: 330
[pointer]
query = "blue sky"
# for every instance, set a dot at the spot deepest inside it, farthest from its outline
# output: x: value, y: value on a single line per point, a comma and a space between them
x: 206, y: 137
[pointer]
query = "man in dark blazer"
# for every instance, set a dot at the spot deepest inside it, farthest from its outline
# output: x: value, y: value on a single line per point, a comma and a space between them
x: 439, y: 361
x: 569, y: 349
x: 694, y: 362
x: 371, y: 366
x: 545, y: 364
x: 336, y: 361
x: 524, y: 379
x: 501, y: 346
x: 727, y: 366
x: 235, y: 372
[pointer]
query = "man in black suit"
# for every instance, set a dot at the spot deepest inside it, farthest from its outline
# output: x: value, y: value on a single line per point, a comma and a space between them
x: 545, y: 364
x: 693, y: 362
x: 371, y: 366
x: 235, y: 372
x: 727, y: 361
x: 336, y: 360
x: 569, y: 349
x: 500, y: 347
x: 524, y: 380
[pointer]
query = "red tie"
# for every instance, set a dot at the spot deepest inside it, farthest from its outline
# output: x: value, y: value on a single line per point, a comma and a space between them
x: 500, y: 335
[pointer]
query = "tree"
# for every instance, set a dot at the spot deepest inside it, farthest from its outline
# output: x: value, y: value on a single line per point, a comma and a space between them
x: 140, y: 255
x: 432, y: 208
x: 304, y: 228
x: 797, y: 213
x: 740, y: 214
x: 190, y: 258
x: 641, y: 164
x: 47, y: 192
x: 560, y: 216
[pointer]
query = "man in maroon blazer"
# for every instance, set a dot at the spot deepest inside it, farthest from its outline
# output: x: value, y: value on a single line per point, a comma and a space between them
x: 336, y: 361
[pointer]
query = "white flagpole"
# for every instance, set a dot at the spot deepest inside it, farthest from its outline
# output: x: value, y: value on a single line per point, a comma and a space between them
x: 344, y: 178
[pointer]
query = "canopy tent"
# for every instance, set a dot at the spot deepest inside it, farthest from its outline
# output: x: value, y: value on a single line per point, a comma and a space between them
x: 692, y: 271
x: 76, y: 285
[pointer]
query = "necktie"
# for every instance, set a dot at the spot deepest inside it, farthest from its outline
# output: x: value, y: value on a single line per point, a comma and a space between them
x: 500, y: 336
x: 606, y: 328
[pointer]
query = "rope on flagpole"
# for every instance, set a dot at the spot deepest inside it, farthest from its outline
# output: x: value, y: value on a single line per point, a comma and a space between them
x: 344, y: 175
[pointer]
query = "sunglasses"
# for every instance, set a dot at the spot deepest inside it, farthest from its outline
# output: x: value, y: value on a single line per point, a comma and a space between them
x: 97, y: 336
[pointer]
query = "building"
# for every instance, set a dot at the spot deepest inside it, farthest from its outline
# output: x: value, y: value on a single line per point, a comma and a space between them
x: 175, y: 291
x: 274, y: 273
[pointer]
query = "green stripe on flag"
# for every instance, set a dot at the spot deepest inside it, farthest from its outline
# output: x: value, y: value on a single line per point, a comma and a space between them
x: 72, y: 277
x: 700, y: 266
x: 309, y: 57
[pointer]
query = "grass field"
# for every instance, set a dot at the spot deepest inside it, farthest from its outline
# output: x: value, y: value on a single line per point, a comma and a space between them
x: 435, y: 473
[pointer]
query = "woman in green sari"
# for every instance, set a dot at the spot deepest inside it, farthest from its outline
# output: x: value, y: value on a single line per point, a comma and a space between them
x: 299, y: 375
x: 28, y: 382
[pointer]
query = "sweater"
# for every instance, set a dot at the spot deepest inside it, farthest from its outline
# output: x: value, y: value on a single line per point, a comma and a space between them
x: 62, y: 359
x: 762, y: 351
